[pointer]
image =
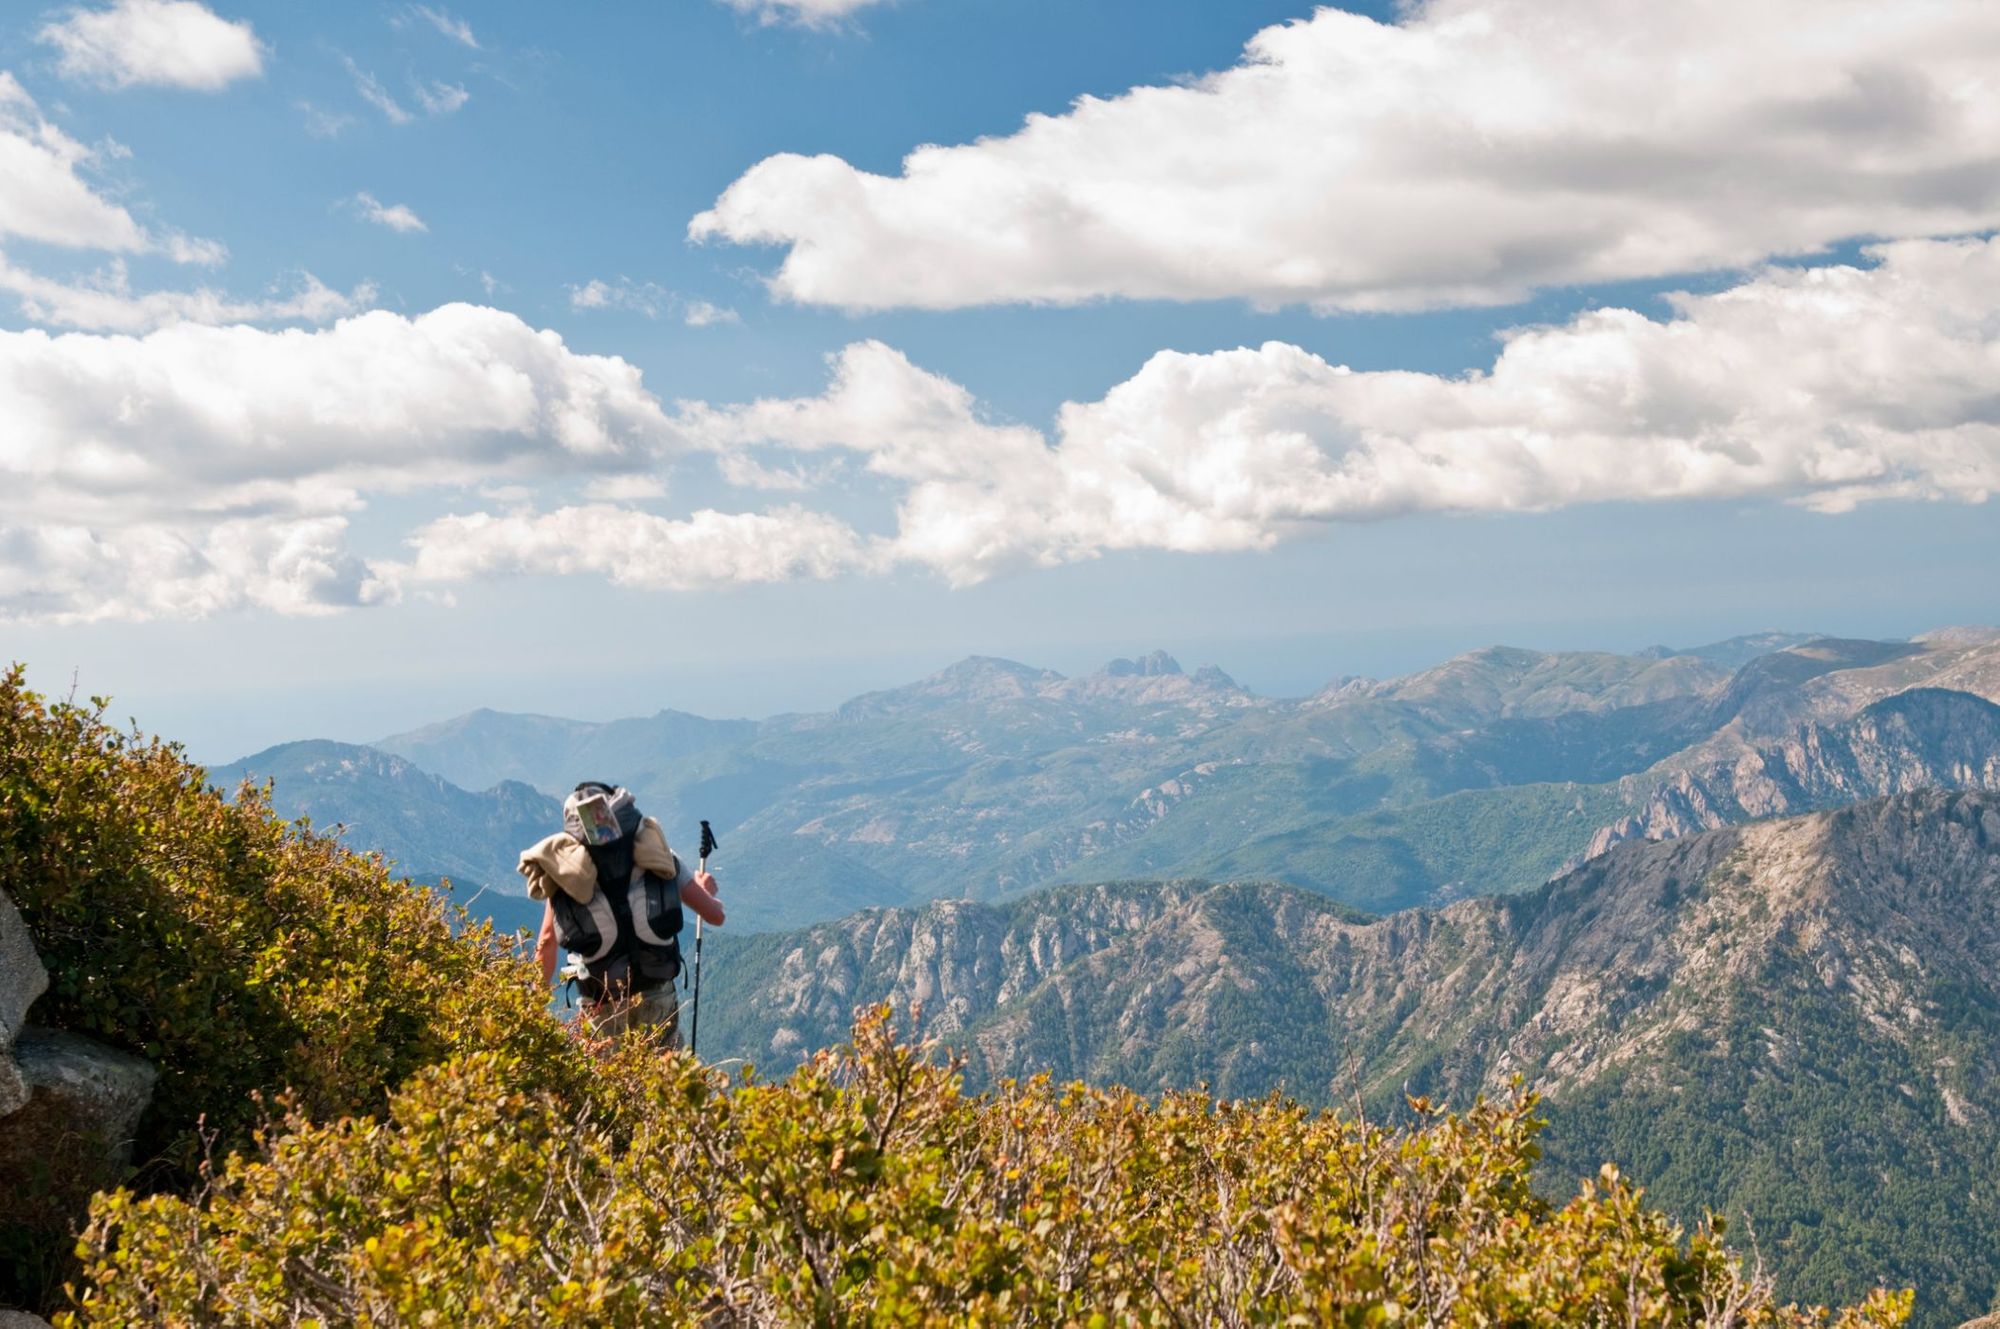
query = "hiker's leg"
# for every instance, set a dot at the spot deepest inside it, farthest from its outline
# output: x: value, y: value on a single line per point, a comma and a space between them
x: 658, y: 1016
x: 654, y: 1015
x: 610, y: 1016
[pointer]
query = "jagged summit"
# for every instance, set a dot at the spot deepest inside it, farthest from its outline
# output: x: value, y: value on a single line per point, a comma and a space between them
x: 1160, y: 665
x: 1156, y: 665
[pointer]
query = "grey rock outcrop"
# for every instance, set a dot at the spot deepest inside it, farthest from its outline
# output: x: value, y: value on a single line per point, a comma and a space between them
x: 1923, y: 738
x: 69, y: 1107
x: 22, y: 979
x: 84, y: 1102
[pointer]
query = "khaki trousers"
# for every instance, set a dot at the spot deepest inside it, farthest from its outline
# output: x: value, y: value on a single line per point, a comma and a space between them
x: 654, y: 1014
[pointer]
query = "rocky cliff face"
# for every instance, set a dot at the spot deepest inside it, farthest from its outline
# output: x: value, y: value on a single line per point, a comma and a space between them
x: 1918, y: 739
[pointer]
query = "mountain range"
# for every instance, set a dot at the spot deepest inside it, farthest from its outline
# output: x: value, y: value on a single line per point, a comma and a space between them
x: 1490, y: 772
x: 1797, y: 1020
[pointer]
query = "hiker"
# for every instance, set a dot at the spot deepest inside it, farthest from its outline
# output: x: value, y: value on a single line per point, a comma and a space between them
x: 614, y: 892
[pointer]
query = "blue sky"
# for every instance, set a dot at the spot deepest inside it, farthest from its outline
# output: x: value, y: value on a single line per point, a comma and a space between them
x: 1780, y: 451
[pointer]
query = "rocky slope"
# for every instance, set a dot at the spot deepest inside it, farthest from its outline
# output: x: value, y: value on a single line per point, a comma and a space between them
x: 1918, y: 739
x: 1799, y: 1019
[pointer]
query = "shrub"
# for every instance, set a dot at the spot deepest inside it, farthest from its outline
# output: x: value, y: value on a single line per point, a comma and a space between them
x: 868, y: 1189
x: 241, y: 955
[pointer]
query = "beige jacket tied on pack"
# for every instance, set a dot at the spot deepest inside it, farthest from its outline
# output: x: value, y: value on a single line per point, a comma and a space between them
x: 560, y: 863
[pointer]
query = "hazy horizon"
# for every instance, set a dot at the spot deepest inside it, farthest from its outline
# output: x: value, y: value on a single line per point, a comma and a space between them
x: 222, y: 726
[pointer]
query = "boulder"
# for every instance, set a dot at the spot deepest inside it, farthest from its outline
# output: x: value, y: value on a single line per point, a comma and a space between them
x: 13, y: 1089
x: 22, y: 1320
x: 83, y: 1107
x: 71, y: 1136
x: 22, y: 979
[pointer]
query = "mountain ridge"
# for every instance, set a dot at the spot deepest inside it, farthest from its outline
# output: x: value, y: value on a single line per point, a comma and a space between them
x: 1489, y: 772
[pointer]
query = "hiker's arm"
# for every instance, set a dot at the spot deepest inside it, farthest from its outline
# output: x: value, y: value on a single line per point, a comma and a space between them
x: 698, y: 892
x: 545, y: 945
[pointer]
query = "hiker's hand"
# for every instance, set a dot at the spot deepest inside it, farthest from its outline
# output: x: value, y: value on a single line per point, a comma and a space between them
x: 699, y: 895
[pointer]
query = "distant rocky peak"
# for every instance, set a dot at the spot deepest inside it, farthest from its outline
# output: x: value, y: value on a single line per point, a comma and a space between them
x: 1967, y: 635
x: 1347, y: 687
x: 979, y: 667
x: 1157, y: 665
x: 983, y: 679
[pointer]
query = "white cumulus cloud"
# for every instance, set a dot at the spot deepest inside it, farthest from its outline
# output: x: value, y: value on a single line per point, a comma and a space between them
x: 703, y: 314
x: 77, y: 573
x: 45, y: 198
x: 186, y: 456
x: 648, y: 298
x: 1469, y: 154
x: 199, y: 468
x: 706, y: 550
x: 1825, y: 386
x: 806, y: 13
x: 106, y: 302
x: 164, y: 43
x: 395, y: 216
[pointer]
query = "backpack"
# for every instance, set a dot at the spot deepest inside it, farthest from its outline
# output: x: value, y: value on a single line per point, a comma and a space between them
x: 628, y: 932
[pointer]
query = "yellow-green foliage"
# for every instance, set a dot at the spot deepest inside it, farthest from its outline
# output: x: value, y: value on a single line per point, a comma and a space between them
x: 867, y: 1189
x: 242, y: 955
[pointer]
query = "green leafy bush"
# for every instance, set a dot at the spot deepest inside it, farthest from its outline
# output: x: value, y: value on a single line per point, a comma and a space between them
x: 868, y: 1189
x: 242, y: 955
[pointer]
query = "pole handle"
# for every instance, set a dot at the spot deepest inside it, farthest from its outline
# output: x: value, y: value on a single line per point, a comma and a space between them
x: 701, y: 867
x: 694, y: 1033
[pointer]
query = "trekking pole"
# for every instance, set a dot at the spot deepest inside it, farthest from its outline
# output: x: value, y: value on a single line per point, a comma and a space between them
x: 694, y: 1034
